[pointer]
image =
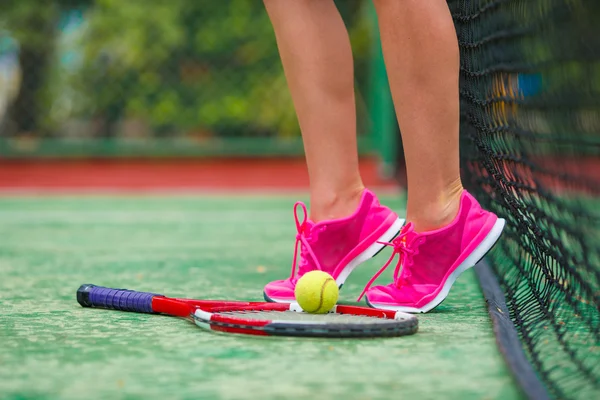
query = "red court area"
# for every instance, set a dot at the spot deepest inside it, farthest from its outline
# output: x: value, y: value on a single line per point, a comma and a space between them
x: 48, y: 176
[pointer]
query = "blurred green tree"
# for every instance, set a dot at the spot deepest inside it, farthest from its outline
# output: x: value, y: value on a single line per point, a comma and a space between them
x: 181, y: 67
x: 33, y: 24
x: 189, y: 67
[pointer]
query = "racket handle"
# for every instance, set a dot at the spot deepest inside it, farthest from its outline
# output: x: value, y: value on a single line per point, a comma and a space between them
x: 115, y: 299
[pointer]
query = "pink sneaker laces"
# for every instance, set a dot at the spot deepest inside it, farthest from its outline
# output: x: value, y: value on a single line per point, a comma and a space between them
x: 302, y: 237
x: 405, y: 251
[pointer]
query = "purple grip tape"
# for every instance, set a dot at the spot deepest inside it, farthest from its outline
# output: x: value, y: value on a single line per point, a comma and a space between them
x: 115, y: 299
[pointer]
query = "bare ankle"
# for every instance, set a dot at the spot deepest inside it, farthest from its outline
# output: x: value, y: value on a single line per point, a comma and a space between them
x: 326, y: 206
x: 438, y: 213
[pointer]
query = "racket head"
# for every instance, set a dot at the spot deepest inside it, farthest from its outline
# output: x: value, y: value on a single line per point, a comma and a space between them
x: 276, y: 319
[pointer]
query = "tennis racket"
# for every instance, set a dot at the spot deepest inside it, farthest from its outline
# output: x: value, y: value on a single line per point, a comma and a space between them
x: 256, y: 318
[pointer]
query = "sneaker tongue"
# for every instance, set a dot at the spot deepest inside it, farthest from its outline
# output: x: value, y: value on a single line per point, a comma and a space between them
x: 411, y: 236
x: 305, y: 262
x: 308, y: 226
x: 408, y: 233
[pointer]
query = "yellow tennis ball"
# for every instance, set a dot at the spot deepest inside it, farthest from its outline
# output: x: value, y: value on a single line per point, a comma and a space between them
x: 316, y: 292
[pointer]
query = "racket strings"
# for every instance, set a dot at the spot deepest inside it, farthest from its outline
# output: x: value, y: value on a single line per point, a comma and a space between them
x: 330, y: 318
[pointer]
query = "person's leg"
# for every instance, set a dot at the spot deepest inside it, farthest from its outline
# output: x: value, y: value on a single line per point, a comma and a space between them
x: 422, y: 59
x: 448, y: 231
x: 317, y: 60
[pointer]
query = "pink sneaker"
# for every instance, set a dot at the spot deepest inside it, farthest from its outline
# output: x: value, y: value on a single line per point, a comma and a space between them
x: 430, y: 262
x: 337, y: 246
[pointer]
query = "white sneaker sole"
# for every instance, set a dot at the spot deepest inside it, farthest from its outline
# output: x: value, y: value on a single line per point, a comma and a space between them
x: 369, y: 253
x: 480, y: 251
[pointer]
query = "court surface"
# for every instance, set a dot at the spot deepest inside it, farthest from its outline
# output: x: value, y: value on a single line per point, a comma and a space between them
x: 206, y: 247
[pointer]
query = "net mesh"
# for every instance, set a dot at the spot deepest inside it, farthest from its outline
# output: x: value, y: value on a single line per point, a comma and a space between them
x: 530, y: 129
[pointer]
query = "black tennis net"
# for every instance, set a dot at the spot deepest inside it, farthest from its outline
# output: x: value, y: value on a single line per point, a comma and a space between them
x: 530, y: 131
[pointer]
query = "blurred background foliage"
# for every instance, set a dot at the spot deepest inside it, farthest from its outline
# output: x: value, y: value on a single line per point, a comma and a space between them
x: 152, y: 68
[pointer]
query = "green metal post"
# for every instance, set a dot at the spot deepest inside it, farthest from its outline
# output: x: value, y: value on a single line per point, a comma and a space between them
x: 385, y: 137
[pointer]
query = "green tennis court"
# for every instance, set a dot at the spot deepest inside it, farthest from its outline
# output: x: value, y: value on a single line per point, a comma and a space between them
x: 101, y: 97
x: 205, y: 247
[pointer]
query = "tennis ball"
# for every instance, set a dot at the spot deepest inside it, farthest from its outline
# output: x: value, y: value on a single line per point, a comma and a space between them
x: 316, y: 292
